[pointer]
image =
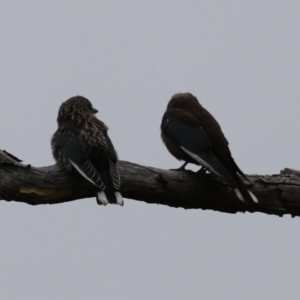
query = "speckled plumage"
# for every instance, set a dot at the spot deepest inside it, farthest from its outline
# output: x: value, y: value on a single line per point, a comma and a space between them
x: 193, y: 135
x: 81, y: 142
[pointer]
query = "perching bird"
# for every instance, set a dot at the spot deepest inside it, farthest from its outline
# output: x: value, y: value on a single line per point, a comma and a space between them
x: 81, y: 143
x: 193, y: 135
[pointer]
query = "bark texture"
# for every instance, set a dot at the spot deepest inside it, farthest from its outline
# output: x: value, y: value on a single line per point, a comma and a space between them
x: 278, y: 194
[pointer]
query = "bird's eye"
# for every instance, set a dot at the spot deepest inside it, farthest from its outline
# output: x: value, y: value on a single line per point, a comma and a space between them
x: 167, y: 122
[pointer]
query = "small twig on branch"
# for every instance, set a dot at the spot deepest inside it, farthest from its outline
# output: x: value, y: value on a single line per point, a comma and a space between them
x: 278, y: 194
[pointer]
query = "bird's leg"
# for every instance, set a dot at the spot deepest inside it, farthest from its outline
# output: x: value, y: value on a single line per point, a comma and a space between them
x: 182, y: 168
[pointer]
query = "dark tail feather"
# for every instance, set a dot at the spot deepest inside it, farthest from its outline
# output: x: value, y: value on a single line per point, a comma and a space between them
x: 243, y: 193
x: 239, y: 170
x: 109, y: 194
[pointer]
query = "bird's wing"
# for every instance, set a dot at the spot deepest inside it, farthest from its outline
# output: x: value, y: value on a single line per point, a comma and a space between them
x: 113, y: 159
x: 194, y: 142
x: 73, y: 149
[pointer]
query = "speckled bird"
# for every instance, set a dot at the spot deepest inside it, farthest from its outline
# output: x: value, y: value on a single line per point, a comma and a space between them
x: 81, y: 143
x: 193, y: 135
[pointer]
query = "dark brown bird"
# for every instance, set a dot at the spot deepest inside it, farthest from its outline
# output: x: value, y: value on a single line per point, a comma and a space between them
x: 81, y: 143
x: 193, y: 135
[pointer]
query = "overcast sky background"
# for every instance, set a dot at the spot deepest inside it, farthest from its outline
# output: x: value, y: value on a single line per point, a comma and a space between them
x: 240, y: 58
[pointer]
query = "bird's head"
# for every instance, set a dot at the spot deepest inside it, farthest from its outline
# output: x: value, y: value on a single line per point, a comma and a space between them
x: 183, y: 101
x: 76, y: 108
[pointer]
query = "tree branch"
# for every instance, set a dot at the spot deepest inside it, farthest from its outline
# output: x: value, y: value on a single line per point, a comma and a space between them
x: 278, y: 194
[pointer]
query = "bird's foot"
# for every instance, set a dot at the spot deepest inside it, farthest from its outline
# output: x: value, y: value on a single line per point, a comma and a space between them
x: 182, y: 168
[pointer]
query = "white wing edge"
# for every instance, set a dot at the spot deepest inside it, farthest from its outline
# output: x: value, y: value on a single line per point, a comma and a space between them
x: 84, y: 175
x: 201, y: 161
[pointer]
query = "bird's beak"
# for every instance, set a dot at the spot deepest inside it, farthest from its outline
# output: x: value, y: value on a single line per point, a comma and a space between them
x: 95, y: 110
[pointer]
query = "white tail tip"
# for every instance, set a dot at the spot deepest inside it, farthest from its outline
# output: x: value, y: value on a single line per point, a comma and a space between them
x: 119, y: 198
x: 101, y: 198
x: 240, y: 196
x: 253, y: 197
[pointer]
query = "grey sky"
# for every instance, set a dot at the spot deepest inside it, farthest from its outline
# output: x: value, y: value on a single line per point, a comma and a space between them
x: 240, y: 58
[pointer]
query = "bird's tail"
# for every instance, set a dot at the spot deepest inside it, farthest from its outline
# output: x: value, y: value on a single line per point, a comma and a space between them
x: 114, y: 197
x: 243, y: 193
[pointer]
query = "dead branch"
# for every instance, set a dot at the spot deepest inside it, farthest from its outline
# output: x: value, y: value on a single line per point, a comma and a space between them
x: 278, y: 194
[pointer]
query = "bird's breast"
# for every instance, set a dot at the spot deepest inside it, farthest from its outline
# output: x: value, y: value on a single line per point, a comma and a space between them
x: 175, y: 150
